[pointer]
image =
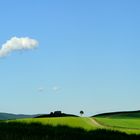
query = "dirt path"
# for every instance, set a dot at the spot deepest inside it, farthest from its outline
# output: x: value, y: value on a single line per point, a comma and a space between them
x: 95, y: 122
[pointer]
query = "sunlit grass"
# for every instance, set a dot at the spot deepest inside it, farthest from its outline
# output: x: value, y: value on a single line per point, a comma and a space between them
x: 128, y: 125
x: 75, y: 122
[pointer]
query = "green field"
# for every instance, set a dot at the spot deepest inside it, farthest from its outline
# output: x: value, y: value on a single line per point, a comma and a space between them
x: 111, y: 127
x: 127, y: 122
x: 120, y: 123
x: 75, y: 122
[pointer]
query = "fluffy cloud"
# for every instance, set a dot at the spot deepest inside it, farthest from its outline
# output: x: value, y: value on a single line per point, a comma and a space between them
x: 16, y: 44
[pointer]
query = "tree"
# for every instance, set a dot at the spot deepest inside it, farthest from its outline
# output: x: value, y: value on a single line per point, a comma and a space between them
x: 81, y: 112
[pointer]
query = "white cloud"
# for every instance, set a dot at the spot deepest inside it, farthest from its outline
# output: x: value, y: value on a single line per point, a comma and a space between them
x: 15, y: 44
x: 56, y: 88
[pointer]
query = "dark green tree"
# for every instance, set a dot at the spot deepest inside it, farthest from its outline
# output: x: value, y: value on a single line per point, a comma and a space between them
x: 81, y: 112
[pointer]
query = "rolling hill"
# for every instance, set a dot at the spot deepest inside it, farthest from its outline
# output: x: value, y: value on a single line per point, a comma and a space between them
x: 10, y: 116
x: 75, y: 122
x: 122, y: 114
x: 129, y: 121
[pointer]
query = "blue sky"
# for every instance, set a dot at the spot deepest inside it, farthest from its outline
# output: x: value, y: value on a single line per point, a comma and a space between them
x: 87, y: 57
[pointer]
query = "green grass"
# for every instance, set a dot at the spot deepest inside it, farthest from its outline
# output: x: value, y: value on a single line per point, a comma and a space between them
x: 37, y: 131
x: 124, y: 124
x: 71, y: 128
x: 128, y: 122
x: 120, y: 122
x: 75, y: 122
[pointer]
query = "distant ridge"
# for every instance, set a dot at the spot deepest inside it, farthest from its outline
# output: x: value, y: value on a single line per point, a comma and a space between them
x: 120, y: 113
x: 10, y: 116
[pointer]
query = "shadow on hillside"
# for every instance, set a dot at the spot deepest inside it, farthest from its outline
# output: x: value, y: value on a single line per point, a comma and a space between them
x: 36, y: 131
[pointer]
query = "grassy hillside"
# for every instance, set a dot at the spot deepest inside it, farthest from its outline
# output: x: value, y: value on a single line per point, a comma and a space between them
x: 74, y: 122
x: 110, y: 126
x: 79, y: 128
x: 36, y: 131
x: 125, y: 121
x: 120, y: 122
x: 123, y: 114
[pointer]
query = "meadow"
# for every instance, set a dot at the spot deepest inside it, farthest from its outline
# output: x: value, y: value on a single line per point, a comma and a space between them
x: 105, y: 127
x: 125, y: 122
x: 74, y: 122
x: 38, y: 131
x: 120, y: 123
